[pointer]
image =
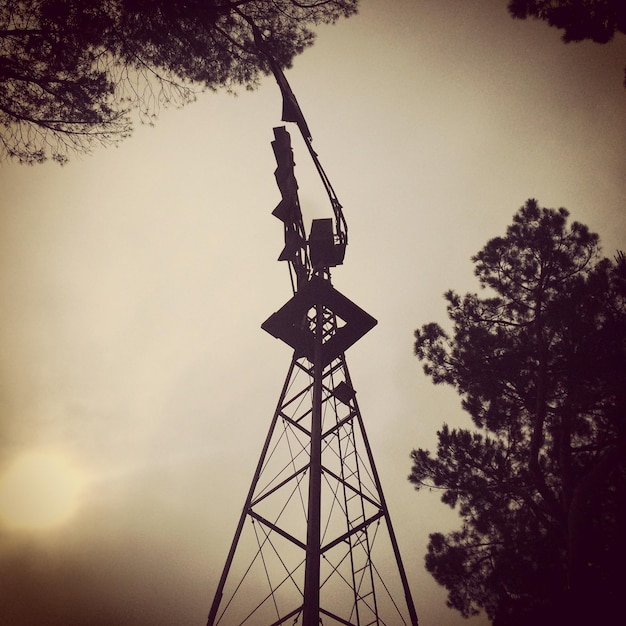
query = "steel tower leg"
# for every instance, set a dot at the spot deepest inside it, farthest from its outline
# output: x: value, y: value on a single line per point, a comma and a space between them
x: 312, y: 569
x: 246, y: 511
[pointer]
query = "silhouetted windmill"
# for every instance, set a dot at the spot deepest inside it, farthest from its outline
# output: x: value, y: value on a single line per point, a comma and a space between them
x: 314, y: 543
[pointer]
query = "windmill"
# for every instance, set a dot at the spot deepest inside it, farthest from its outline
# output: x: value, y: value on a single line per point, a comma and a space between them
x: 314, y: 543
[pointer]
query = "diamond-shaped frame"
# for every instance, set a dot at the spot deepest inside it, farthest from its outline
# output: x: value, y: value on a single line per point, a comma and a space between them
x: 290, y: 324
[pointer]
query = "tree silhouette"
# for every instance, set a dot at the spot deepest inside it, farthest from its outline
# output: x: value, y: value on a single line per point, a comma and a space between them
x: 540, y: 483
x: 595, y: 20
x: 72, y: 71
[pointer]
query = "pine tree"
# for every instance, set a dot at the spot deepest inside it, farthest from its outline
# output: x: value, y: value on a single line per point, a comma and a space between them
x: 540, y: 481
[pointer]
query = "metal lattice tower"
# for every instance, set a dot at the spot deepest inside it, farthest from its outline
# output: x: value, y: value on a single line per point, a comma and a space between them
x: 314, y: 543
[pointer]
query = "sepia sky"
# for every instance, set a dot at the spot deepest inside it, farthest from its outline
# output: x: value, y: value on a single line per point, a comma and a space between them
x: 135, y: 377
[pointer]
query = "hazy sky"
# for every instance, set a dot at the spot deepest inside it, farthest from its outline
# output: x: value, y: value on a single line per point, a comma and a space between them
x: 133, y: 284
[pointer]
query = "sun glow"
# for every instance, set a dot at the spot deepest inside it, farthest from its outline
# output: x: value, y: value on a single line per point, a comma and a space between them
x: 40, y: 490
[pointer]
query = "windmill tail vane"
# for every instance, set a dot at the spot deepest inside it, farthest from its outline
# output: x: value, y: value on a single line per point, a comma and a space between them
x: 291, y: 112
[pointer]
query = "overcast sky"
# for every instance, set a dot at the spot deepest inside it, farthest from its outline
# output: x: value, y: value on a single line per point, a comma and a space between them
x: 133, y: 284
